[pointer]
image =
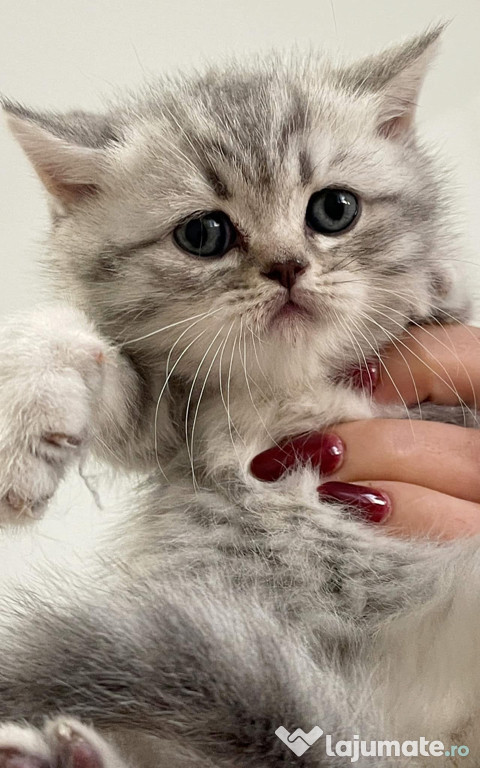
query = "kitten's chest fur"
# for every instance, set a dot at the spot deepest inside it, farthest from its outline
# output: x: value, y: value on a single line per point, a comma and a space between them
x: 276, y: 539
x: 220, y: 435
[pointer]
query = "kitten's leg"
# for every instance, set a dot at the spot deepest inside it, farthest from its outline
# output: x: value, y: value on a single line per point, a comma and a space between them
x: 62, y: 743
x: 215, y: 675
x: 61, y: 386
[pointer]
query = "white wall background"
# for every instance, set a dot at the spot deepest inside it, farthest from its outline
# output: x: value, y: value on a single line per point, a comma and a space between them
x: 66, y: 53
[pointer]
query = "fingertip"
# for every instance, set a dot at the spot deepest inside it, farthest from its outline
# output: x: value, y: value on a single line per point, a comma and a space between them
x: 317, y: 449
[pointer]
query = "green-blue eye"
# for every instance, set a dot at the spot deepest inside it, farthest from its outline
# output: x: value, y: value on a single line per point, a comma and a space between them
x: 332, y: 210
x: 207, y: 236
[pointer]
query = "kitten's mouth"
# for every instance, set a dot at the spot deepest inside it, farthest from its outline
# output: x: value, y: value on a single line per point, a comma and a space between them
x: 290, y: 311
x: 289, y: 308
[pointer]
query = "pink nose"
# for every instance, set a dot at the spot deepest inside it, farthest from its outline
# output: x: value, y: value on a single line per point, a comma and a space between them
x: 285, y: 272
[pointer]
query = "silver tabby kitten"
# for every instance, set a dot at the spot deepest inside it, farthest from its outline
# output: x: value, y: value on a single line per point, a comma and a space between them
x: 226, y: 245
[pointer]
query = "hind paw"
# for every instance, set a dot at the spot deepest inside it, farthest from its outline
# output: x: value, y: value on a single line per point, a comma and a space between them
x: 63, y: 743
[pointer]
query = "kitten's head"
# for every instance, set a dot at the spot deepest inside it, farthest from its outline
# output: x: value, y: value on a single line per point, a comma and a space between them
x: 283, y: 210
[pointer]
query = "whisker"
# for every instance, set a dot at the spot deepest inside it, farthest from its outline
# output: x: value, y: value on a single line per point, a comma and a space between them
x: 356, y: 346
x: 201, y: 394
x: 393, y: 339
x: 450, y: 385
x: 229, y: 378
x: 253, y: 332
x: 189, y: 400
x: 344, y: 263
x: 244, y: 365
x: 167, y: 364
x: 351, y: 339
x: 172, y: 325
x: 162, y: 391
x: 376, y: 352
x: 445, y: 346
x: 258, y: 362
x: 457, y: 321
x: 220, y: 382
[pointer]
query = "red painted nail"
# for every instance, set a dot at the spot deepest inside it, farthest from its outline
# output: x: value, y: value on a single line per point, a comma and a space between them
x: 374, y: 506
x: 325, y: 451
x: 365, y: 377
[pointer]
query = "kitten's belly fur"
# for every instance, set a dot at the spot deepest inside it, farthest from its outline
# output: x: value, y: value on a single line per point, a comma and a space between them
x: 366, y: 574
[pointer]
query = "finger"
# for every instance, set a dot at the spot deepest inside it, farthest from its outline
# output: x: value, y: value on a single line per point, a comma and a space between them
x: 412, y: 511
x: 437, y: 363
x: 443, y: 457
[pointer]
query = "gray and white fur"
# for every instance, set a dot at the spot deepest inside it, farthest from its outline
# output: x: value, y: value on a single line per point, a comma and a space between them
x: 227, y: 607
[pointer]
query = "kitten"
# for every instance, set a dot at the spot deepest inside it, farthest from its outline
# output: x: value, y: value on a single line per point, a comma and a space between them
x: 227, y: 244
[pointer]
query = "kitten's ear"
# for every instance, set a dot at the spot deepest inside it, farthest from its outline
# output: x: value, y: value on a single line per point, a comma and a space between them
x: 396, y: 75
x: 67, y: 152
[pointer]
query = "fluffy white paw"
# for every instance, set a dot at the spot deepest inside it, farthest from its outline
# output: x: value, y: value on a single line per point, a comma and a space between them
x: 51, y: 374
x: 63, y: 743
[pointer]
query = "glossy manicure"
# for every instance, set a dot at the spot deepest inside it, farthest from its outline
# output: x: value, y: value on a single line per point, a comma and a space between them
x: 325, y: 451
x: 370, y: 504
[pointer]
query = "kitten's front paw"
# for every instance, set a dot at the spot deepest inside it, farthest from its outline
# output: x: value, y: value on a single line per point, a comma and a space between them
x: 51, y: 374
x: 63, y: 743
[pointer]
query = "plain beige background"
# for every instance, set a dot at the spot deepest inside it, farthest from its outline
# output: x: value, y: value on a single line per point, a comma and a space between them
x: 66, y: 53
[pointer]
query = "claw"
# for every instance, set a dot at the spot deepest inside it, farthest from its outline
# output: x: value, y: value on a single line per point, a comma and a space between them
x: 72, y: 750
x: 100, y: 357
x: 26, y: 507
x: 63, y: 441
x: 16, y: 502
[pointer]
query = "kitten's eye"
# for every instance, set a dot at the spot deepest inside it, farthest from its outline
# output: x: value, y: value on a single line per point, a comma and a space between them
x: 209, y: 235
x: 331, y: 210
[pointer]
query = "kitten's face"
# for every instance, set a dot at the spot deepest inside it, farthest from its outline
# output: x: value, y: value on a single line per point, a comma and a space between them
x: 283, y: 212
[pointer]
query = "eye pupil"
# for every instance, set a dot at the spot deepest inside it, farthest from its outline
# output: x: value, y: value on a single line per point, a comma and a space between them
x: 195, y: 232
x: 331, y: 211
x: 206, y: 236
x: 334, y: 205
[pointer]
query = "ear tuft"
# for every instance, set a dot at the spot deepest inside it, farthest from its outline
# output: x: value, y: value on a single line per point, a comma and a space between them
x: 87, y: 129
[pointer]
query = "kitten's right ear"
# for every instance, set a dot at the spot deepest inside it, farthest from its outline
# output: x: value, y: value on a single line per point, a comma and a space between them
x: 67, y: 152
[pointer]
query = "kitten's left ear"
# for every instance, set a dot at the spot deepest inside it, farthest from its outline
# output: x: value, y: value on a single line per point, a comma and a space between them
x: 396, y: 76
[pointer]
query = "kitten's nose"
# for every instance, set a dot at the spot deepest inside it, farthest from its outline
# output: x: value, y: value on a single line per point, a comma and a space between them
x: 285, y: 272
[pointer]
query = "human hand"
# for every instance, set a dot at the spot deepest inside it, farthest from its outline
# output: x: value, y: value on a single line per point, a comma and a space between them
x: 413, y: 477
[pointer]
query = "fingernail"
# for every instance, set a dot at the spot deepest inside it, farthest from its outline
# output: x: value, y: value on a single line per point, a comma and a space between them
x: 325, y: 451
x: 374, y: 506
x: 364, y: 377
